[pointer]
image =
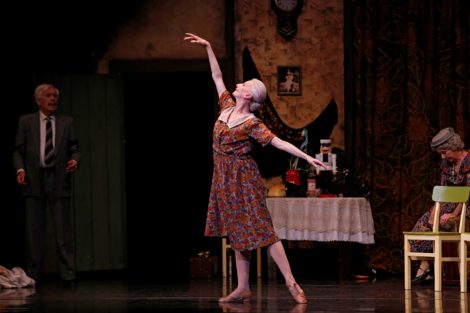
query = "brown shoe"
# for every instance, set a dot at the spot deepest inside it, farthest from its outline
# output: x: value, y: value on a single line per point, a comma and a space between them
x: 244, y: 296
x: 297, y: 293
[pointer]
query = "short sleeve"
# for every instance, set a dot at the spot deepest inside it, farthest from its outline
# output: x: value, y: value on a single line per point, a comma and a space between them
x: 225, y: 101
x: 466, y: 169
x: 258, y: 131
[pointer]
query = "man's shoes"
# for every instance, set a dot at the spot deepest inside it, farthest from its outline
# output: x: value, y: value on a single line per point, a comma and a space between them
x: 72, y: 283
x: 423, y: 274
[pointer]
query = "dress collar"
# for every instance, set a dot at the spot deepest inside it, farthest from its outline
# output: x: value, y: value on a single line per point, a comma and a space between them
x: 224, y: 116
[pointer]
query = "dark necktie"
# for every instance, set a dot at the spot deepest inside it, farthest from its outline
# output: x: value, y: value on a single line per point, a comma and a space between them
x: 49, y: 150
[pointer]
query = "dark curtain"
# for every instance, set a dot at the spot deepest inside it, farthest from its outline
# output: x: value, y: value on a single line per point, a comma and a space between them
x: 411, y: 78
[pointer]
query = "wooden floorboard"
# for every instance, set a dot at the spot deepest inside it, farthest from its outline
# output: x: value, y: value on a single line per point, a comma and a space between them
x: 200, y: 295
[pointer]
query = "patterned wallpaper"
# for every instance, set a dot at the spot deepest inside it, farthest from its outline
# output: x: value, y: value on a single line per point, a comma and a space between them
x: 317, y: 48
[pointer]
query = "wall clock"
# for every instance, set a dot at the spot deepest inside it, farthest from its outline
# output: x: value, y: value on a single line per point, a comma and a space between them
x: 287, y: 12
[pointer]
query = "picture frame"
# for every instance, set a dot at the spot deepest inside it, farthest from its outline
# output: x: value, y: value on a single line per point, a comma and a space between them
x: 289, y: 80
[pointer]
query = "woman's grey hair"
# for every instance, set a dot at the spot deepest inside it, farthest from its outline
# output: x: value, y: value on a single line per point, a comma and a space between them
x: 258, y: 91
x: 447, y: 139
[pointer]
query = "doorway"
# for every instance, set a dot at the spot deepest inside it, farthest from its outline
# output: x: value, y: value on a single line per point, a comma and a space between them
x: 167, y: 198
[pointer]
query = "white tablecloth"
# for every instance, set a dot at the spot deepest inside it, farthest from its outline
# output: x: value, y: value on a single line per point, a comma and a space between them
x: 322, y: 219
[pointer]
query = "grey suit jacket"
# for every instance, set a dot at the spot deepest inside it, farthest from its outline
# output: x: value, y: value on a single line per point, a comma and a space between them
x: 26, y: 154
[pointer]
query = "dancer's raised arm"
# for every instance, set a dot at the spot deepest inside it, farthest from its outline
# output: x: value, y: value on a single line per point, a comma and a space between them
x: 215, y: 68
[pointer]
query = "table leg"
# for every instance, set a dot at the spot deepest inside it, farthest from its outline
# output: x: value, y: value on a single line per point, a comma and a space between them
x: 344, y: 253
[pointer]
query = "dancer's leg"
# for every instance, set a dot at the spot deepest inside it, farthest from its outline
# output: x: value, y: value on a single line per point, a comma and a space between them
x: 242, y: 292
x: 279, y: 256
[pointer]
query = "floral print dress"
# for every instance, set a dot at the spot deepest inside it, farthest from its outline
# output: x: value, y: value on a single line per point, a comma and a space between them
x: 449, y: 177
x: 237, y: 205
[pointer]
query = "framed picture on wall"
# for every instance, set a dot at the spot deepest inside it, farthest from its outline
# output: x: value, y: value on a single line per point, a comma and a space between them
x: 289, y: 81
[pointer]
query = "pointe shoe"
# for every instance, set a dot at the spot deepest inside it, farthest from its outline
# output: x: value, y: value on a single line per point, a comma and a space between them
x: 421, y: 275
x: 244, y: 296
x: 299, y: 308
x: 297, y: 293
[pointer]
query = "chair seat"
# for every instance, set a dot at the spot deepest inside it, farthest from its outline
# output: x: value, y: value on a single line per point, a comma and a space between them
x: 430, y: 233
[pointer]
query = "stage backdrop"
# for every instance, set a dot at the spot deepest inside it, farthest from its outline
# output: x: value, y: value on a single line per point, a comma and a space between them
x: 411, y: 75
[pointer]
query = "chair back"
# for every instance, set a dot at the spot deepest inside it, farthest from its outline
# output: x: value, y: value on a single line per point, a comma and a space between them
x: 455, y: 194
x: 450, y: 194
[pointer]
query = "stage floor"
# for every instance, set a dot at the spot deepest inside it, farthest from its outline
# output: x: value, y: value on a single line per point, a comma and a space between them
x: 200, y: 295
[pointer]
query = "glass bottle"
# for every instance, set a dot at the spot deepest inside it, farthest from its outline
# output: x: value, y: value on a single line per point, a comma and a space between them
x: 312, y: 182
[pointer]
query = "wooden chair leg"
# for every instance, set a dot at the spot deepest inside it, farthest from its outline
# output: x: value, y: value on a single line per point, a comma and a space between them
x: 407, y: 265
x: 229, y: 263
x: 463, y: 265
x: 224, y: 257
x: 438, y: 266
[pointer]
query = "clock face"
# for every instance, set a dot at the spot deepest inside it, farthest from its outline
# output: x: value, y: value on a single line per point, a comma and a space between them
x: 286, y: 5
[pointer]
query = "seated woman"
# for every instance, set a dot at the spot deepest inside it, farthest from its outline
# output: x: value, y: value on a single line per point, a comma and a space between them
x: 455, y: 171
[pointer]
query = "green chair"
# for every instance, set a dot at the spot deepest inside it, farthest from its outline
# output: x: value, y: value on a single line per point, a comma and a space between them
x: 440, y: 194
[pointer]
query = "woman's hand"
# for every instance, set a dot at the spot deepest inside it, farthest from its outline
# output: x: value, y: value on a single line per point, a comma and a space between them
x: 316, y: 163
x: 196, y: 39
x: 445, y: 218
